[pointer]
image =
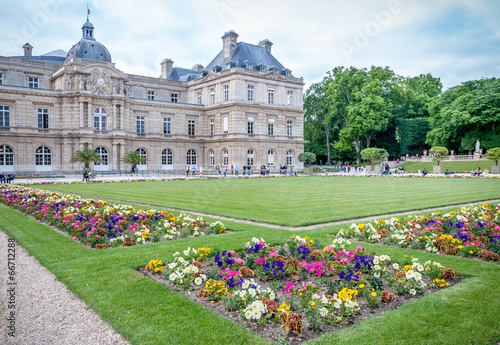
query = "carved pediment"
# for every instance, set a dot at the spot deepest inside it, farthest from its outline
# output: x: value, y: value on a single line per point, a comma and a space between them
x: 274, y: 76
x: 210, y: 76
x: 101, y: 80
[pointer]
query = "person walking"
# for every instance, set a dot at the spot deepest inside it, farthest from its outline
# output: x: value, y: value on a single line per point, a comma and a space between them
x: 225, y: 171
x: 236, y: 168
x: 187, y: 172
x: 2, y: 178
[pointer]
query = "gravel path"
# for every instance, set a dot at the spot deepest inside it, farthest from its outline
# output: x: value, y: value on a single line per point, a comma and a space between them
x: 46, y: 311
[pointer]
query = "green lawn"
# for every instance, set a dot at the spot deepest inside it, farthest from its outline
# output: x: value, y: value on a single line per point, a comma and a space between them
x: 465, y: 166
x: 296, y: 201
x: 146, y: 312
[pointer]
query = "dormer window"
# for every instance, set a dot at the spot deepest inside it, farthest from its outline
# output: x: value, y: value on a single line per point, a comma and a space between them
x: 286, y: 72
x: 261, y: 67
x: 230, y: 65
x: 216, y: 69
x: 247, y: 65
x: 272, y: 68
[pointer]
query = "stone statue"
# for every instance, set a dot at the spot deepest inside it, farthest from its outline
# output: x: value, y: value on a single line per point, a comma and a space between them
x: 114, y: 86
x: 122, y: 87
x: 67, y: 82
x: 478, y: 146
x: 82, y: 83
x: 88, y: 84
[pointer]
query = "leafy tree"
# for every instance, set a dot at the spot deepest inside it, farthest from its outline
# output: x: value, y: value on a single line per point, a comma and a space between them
x: 307, y: 157
x: 374, y: 155
x: 467, y: 113
x: 133, y: 158
x: 85, y: 156
x: 439, y: 153
x: 493, y: 154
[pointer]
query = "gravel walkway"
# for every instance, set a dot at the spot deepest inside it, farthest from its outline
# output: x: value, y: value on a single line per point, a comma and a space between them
x: 46, y: 311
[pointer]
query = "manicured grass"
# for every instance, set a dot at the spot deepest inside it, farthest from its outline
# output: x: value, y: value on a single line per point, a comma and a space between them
x: 462, y: 167
x: 296, y: 201
x: 146, y: 312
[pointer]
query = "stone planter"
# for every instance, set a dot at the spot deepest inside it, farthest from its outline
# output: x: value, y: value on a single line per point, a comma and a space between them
x: 308, y: 170
x: 368, y: 169
x: 378, y: 170
x: 438, y: 169
x: 495, y: 169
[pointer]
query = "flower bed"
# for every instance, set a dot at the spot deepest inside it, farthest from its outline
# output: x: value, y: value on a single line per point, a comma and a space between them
x: 470, y: 232
x: 101, y: 225
x: 300, y: 290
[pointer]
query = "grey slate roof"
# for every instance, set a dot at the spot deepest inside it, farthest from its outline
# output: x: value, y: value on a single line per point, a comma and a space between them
x: 89, y: 49
x: 183, y: 74
x: 44, y: 58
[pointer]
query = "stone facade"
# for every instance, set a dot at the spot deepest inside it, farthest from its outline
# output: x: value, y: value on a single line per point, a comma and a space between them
x: 233, y: 112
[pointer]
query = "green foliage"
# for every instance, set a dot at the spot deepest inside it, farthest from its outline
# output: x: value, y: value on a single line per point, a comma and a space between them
x: 439, y: 153
x: 133, y: 158
x: 307, y: 157
x: 374, y: 155
x: 411, y: 131
x: 85, y: 156
x: 493, y: 154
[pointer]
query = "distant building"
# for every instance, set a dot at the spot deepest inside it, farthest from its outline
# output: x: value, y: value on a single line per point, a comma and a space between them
x: 244, y: 108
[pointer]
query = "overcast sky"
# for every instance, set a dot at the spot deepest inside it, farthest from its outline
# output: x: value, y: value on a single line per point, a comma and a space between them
x: 456, y: 40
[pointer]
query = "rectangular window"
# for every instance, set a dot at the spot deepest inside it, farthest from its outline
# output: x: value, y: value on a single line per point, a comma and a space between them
x: 4, y: 116
x: 250, y: 125
x: 167, y: 125
x: 100, y: 122
x: 270, y: 96
x: 140, y: 124
x: 1, y: 78
x: 226, y: 124
x: 151, y: 95
x: 191, y: 127
x: 174, y: 98
x: 270, y: 127
x: 43, y: 118
x: 33, y: 82
x: 212, y: 126
x: 212, y: 96
x: 250, y: 93
x: 226, y: 93
x: 289, y: 97
x: 199, y: 98
x: 289, y: 128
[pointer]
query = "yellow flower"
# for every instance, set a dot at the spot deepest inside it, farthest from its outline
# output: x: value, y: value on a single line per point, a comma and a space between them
x: 374, y: 294
x: 361, y: 286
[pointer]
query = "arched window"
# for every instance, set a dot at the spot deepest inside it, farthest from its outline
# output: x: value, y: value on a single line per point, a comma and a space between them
x: 43, y: 159
x: 225, y: 157
x: 6, y: 157
x: 191, y: 157
x: 103, y: 152
x: 289, y: 157
x: 143, y: 153
x: 100, y: 119
x: 167, y: 159
x: 211, y: 155
x: 270, y: 157
x: 250, y: 155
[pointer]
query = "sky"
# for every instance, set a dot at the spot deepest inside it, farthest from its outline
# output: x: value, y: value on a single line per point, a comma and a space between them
x: 455, y: 40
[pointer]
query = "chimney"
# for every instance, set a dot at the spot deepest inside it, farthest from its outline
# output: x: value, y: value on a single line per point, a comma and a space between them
x: 166, y: 68
x: 198, y: 68
x: 229, y: 41
x: 266, y: 44
x: 27, y: 49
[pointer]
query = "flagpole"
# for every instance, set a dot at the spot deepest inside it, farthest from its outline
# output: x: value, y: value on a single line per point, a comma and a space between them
x: 88, y: 11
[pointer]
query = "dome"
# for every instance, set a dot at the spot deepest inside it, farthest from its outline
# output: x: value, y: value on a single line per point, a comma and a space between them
x: 88, y: 47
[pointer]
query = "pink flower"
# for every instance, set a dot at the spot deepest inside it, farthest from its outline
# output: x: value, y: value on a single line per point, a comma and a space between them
x: 303, y: 244
x: 262, y: 243
x: 241, y: 262
x: 89, y: 233
x: 318, y: 271
x: 359, y: 249
x: 303, y: 264
x: 260, y: 261
x: 273, y: 254
x: 495, y: 234
x: 329, y: 248
x: 344, y: 261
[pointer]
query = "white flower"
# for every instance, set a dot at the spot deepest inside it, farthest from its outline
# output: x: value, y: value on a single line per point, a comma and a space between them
x: 173, y: 276
x: 377, y: 268
x: 248, y: 314
x: 323, y: 311
x: 256, y: 314
x: 417, y: 276
x: 315, y: 296
x: 395, y: 266
x: 186, y: 252
x: 420, y: 268
x: 376, y: 274
x: 245, y: 284
x: 413, y: 292
x: 410, y: 274
x: 324, y: 300
x: 252, y: 292
x: 272, y: 295
x: 198, y: 281
x: 348, y: 303
x: 337, y: 304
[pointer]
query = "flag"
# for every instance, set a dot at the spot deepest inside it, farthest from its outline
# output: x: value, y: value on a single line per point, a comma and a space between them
x: 88, y: 11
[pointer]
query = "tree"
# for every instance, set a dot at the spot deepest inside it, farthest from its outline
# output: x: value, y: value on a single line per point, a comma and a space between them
x: 307, y: 157
x: 134, y: 158
x: 373, y: 155
x: 85, y: 156
x: 439, y: 153
x: 493, y: 154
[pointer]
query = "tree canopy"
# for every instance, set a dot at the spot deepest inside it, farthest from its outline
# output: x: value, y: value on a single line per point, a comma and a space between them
x: 374, y: 155
x: 439, y: 153
x: 493, y: 154
x: 85, y: 156
x: 133, y: 158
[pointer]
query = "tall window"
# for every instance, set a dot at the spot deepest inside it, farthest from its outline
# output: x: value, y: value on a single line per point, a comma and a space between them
x: 43, y: 156
x: 211, y: 155
x: 191, y: 157
x: 270, y: 157
x: 250, y: 93
x: 167, y: 125
x: 225, y: 157
x: 270, y: 96
x: 212, y: 96
x: 289, y: 125
x: 100, y: 119
x: 226, y: 124
x: 191, y: 128
x: 6, y: 156
x: 151, y: 95
x: 226, y: 93
x: 33, y: 82
x: 141, y: 124
x: 250, y: 157
x: 143, y: 153
x: 198, y: 95
x: 250, y: 125
x: 43, y: 118
x: 289, y: 97
x: 212, y: 126
x: 1, y: 78
x: 270, y: 127
x: 104, y: 154
x: 289, y: 156
x: 167, y: 157
x: 174, y: 97
x: 4, y: 116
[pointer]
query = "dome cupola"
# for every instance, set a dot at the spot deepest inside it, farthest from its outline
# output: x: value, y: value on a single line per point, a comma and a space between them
x: 88, y: 48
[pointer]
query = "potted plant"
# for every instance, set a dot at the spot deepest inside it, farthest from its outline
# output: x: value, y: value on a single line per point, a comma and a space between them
x: 373, y: 155
x: 438, y: 153
x: 85, y: 156
x: 494, y: 155
x: 307, y: 158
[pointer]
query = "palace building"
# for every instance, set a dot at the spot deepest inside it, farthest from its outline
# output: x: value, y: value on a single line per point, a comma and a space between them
x: 243, y: 108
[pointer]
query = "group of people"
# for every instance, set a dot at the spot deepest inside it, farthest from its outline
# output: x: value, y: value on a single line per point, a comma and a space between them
x: 477, y: 172
x: 7, y: 179
x: 87, y: 175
